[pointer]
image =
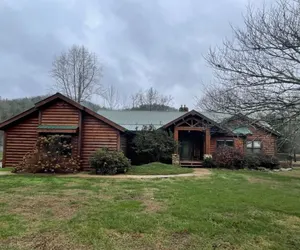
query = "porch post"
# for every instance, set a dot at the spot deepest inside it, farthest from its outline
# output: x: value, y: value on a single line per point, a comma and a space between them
x: 207, y: 141
x: 176, y: 139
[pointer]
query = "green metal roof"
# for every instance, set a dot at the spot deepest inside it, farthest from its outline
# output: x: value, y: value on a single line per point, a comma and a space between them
x: 62, y: 127
x: 242, y: 131
x: 135, y: 120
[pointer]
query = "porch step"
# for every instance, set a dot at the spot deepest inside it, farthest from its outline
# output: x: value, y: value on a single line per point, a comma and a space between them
x: 194, y: 164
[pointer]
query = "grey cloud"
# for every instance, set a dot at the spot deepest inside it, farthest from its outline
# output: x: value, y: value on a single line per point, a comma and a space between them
x: 156, y: 43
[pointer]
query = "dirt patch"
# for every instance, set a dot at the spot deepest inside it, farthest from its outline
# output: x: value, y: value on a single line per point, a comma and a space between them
x: 201, y: 172
x: 43, y: 241
x: 261, y: 180
x: 38, y: 206
x: 291, y: 222
x: 149, y: 202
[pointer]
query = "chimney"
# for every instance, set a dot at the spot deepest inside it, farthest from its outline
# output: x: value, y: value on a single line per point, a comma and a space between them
x: 185, y: 108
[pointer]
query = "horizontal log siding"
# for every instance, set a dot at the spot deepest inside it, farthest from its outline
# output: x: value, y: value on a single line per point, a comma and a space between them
x: 60, y: 113
x: 20, y: 139
x: 96, y: 134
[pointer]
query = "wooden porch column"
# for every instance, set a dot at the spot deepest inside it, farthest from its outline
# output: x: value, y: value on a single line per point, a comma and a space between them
x: 207, y: 141
x: 176, y: 138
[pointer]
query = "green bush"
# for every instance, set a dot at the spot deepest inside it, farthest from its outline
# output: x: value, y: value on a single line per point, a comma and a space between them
x: 228, y: 157
x: 257, y: 161
x: 154, y: 145
x: 109, y: 162
x: 209, y: 163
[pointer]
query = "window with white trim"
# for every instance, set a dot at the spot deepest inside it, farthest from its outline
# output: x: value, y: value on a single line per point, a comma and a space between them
x: 222, y: 143
x: 253, y: 147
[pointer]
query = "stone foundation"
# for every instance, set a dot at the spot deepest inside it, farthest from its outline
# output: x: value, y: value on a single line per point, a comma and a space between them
x: 175, y: 159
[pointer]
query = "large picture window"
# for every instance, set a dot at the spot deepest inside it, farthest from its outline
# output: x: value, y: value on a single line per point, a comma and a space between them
x: 253, y: 146
x: 228, y: 143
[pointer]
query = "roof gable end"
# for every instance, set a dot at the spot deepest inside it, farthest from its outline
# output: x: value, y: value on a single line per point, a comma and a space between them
x: 58, y: 96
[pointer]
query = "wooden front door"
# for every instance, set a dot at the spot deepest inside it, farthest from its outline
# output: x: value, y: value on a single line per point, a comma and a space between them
x: 186, y: 149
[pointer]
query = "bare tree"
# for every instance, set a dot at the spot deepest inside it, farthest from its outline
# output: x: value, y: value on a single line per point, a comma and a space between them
x: 111, y: 97
x: 77, y: 73
x: 259, y: 70
x: 151, y: 99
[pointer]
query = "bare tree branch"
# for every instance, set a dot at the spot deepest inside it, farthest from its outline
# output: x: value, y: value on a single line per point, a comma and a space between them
x: 77, y: 73
x: 258, y: 72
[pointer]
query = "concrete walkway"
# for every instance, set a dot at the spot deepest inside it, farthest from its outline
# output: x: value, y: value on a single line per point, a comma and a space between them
x: 198, y: 172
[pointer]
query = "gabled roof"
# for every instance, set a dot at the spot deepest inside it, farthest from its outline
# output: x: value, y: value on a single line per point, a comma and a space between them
x: 54, y: 97
x: 136, y: 120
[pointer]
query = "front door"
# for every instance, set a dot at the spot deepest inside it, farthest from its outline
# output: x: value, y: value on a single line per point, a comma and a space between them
x: 186, y: 150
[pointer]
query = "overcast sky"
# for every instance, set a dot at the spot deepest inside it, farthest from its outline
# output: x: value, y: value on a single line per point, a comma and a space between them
x: 141, y: 43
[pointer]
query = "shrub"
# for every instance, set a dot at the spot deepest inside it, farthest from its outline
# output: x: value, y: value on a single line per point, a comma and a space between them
x: 268, y: 161
x: 252, y: 161
x: 52, y: 154
x: 228, y: 157
x: 257, y: 161
x: 154, y: 145
x: 209, y: 163
x: 105, y: 161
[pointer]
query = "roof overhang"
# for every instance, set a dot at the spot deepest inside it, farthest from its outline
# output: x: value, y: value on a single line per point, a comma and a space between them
x: 64, y: 129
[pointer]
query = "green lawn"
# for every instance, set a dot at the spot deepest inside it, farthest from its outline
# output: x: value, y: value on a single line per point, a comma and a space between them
x: 6, y: 169
x: 157, y: 168
x: 228, y: 210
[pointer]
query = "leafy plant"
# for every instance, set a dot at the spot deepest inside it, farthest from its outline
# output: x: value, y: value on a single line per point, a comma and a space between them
x: 209, y: 163
x: 105, y: 161
x: 228, y: 157
x: 154, y: 144
x: 257, y: 161
x: 52, y: 154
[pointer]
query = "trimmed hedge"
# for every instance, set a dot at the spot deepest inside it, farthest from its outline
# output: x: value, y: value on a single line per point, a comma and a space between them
x: 109, y: 162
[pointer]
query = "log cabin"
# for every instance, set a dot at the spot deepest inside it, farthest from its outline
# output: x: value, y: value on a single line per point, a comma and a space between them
x: 198, y: 134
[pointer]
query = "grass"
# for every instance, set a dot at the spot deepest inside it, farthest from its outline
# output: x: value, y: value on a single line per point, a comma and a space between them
x: 6, y: 169
x: 158, y: 168
x: 228, y: 210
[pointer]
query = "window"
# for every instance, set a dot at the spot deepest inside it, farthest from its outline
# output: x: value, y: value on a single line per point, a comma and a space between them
x: 61, y: 144
x: 253, y: 146
x: 228, y: 143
